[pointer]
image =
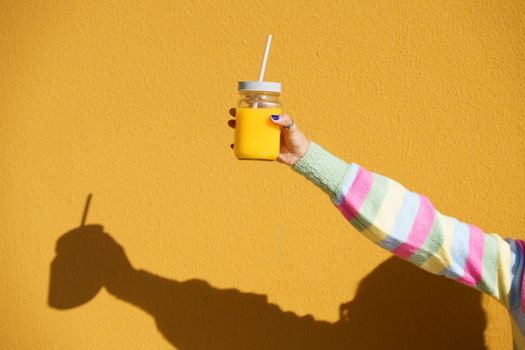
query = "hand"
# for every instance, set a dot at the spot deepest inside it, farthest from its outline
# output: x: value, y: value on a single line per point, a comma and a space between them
x: 293, y: 142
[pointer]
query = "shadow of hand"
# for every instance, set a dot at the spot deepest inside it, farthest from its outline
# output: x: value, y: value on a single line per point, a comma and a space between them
x: 86, y: 259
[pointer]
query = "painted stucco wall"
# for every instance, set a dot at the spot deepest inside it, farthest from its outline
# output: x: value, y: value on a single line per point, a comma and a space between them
x: 128, y: 100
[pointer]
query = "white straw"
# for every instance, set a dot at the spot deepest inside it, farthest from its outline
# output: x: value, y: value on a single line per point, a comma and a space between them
x: 265, y: 57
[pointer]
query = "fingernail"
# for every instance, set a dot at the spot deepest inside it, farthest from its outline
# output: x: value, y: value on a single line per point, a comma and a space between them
x: 275, y: 117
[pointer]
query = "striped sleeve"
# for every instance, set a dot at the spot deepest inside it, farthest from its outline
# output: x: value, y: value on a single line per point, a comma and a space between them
x: 407, y: 224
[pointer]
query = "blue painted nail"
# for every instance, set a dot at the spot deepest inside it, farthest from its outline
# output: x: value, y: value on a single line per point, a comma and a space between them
x: 275, y: 117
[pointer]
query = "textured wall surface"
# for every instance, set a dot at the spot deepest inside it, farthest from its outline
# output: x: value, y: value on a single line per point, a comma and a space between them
x: 128, y: 100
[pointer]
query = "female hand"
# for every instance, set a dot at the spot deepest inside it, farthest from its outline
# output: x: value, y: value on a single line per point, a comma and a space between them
x: 293, y: 142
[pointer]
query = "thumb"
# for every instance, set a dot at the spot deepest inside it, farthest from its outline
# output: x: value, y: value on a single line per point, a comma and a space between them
x: 283, y: 120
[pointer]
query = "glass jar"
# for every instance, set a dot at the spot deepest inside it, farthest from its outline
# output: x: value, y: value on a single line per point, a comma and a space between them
x: 259, y: 99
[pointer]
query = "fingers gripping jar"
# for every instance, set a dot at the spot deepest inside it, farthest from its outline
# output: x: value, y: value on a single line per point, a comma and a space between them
x: 256, y: 136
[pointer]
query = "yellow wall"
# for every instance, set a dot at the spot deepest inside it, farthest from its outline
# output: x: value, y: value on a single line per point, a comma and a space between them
x: 128, y: 100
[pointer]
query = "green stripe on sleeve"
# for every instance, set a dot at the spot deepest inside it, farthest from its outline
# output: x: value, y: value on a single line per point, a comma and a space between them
x: 487, y: 283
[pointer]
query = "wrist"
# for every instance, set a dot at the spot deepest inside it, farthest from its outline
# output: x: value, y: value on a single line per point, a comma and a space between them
x: 300, y: 153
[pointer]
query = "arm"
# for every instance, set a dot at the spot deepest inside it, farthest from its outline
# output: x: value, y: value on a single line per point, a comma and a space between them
x: 407, y: 224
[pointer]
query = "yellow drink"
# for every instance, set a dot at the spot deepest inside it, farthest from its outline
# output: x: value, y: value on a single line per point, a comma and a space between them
x: 256, y: 136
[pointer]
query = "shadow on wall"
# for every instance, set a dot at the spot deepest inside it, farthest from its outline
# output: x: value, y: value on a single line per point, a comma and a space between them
x: 397, y: 306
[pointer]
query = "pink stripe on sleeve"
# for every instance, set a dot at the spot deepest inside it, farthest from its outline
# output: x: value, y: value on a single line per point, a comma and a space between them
x: 356, y: 195
x: 474, y: 263
x: 419, y: 231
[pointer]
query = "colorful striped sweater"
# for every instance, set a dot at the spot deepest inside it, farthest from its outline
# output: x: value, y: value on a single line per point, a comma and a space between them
x: 407, y: 224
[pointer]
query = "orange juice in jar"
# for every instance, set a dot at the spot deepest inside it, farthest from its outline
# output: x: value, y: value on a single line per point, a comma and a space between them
x: 256, y: 136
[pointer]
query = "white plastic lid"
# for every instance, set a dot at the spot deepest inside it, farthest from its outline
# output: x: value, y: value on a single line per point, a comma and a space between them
x: 268, y: 86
